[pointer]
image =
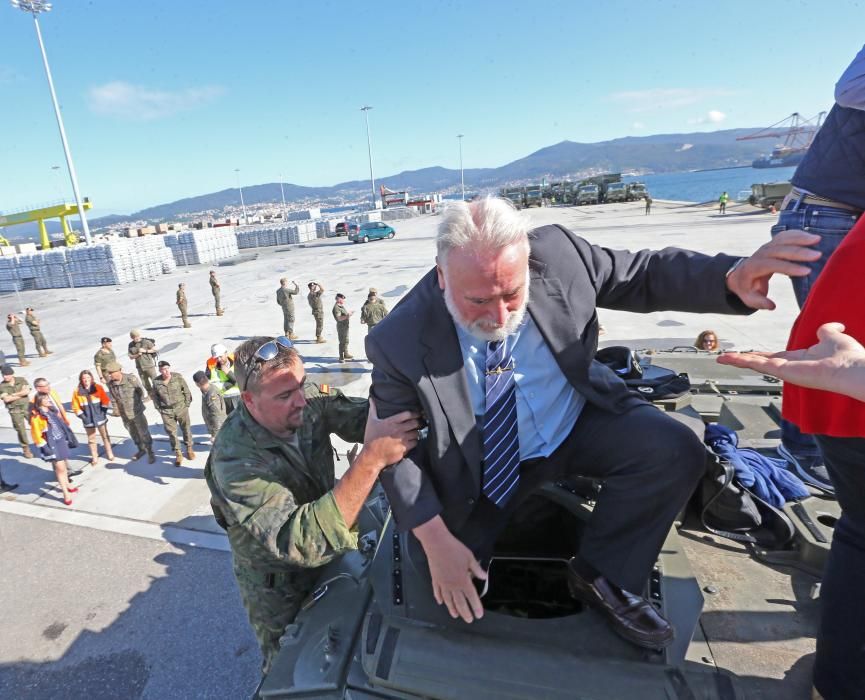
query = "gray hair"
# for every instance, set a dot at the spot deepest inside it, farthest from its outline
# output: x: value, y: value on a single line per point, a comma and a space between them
x: 491, y: 223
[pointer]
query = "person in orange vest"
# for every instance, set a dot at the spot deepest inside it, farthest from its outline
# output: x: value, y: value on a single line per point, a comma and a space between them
x: 220, y: 372
x: 53, y: 437
x: 91, y: 404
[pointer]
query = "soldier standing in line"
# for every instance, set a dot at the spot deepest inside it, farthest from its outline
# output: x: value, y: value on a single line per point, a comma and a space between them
x: 648, y: 204
x: 212, y: 403
x: 373, y: 310
x: 181, y: 304
x: 128, y: 396
x: 272, y: 483
x: 14, y: 392
x: 172, y: 397
x: 34, y: 325
x: 342, y: 315
x: 314, y: 299
x: 103, y: 357
x: 284, y: 299
x: 13, y: 325
x: 215, y: 288
x: 145, y: 354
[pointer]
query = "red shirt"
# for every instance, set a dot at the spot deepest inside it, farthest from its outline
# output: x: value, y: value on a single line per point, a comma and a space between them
x: 837, y: 295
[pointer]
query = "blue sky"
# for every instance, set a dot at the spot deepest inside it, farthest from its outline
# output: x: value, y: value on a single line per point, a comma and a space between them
x: 164, y: 99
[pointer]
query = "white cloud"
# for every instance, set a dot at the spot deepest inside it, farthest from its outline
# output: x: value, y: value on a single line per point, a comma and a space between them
x: 664, y: 98
x: 638, y: 126
x: 713, y: 116
x: 127, y: 101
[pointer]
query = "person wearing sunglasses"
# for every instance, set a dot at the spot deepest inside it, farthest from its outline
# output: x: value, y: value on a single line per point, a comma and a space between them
x: 272, y: 481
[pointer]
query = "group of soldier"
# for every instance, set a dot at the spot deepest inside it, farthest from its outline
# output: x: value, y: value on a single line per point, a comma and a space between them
x: 13, y: 325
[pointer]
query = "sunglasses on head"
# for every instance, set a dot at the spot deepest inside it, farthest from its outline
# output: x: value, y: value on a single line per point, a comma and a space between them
x: 266, y: 353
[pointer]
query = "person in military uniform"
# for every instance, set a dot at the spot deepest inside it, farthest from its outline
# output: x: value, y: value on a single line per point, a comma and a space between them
x: 215, y: 289
x: 34, y: 325
x: 284, y: 298
x: 145, y: 354
x: 181, y: 304
x: 373, y: 310
x: 172, y: 397
x: 127, y: 397
x: 13, y: 325
x: 342, y: 316
x: 212, y: 403
x: 272, y: 483
x: 15, y: 392
x: 314, y: 299
x: 104, y: 356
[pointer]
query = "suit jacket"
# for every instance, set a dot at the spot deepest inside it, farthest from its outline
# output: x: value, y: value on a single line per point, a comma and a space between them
x: 418, y: 363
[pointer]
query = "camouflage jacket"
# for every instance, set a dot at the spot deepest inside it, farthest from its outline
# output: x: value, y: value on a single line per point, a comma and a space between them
x: 314, y: 299
x: 213, y: 409
x: 181, y: 297
x: 32, y: 322
x: 14, y: 329
x: 18, y: 406
x: 275, y: 497
x: 171, y: 395
x: 214, y: 285
x: 284, y: 294
x: 341, y: 314
x: 142, y: 351
x: 127, y: 396
x: 102, y: 358
x: 373, y: 312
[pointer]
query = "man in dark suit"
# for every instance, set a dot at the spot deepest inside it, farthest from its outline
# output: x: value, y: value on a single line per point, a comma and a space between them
x: 496, y: 347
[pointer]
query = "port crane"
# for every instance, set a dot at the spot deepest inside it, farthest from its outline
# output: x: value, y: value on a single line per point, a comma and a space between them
x: 54, y: 211
x: 797, y: 134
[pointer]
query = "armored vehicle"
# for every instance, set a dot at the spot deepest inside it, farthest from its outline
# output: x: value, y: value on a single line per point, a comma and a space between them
x: 371, y: 629
x: 588, y: 194
x: 636, y: 191
x: 617, y: 192
x: 517, y: 195
x: 534, y: 196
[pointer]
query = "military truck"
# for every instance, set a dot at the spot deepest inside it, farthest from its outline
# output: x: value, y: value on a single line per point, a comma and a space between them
x: 588, y: 194
x: 560, y: 192
x: 616, y: 192
x: 371, y: 629
x: 517, y: 195
x: 766, y: 194
x: 534, y: 196
x: 636, y: 191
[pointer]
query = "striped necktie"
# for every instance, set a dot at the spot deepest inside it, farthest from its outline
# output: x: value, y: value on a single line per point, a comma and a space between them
x: 500, y: 432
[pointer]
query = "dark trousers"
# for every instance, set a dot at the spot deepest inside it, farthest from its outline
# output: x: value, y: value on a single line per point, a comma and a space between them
x: 839, y: 669
x: 650, y: 464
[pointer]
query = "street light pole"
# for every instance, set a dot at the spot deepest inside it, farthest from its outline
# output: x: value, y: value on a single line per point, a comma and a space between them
x: 242, y: 205
x: 282, y: 191
x: 34, y: 7
x: 462, y: 179
x: 365, y: 109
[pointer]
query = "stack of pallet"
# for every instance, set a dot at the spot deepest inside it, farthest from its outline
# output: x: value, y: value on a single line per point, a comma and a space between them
x: 9, y: 280
x: 203, y: 246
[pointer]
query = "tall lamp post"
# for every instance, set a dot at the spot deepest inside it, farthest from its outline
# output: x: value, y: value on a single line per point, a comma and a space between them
x: 34, y: 7
x: 365, y: 109
x: 242, y: 205
x: 282, y: 191
x: 462, y: 179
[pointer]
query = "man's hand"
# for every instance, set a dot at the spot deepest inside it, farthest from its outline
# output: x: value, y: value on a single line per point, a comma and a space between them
x: 750, y: 280
x: 452, y: 567
x: 351, y: 455
x: 387, y: 440
x: 836, y: 363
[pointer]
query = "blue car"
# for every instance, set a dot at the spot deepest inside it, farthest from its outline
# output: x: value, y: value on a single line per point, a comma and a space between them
x: 371, y: 231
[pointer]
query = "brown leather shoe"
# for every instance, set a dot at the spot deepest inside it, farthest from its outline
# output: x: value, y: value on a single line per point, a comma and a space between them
x: 630, y: 616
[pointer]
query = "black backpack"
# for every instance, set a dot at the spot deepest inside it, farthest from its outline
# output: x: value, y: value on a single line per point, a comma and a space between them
x: 653, y: 382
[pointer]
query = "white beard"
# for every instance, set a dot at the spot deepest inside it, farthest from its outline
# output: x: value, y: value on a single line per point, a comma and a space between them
x: 485, y: 330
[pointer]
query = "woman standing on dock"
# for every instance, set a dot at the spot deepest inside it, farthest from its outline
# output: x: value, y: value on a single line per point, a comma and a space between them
x: 91, y: 404
x: 51, y: 434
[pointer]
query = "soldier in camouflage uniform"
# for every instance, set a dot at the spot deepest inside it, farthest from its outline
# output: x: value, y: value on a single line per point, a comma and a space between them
x: 13, y: 325
x: 215, y: 289
x: 212, y: 403
x: 145, y: 354
x: 127, y: 399
x: 272, y: 483
x: 172, y: 397
x: 314, y: 299
x: 373, y: 310
x: 342, y: 316
x: 103, y: 357
x: 284, y: 299
x: 181, y: 304
x: 34, y: 325
x: 14, y: 392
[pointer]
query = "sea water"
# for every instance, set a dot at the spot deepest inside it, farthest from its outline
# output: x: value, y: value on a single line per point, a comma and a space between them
x: 707, y: 185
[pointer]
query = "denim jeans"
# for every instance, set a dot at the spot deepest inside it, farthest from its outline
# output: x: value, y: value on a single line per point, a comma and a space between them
x: 831, y: 224
x: 839, y: 668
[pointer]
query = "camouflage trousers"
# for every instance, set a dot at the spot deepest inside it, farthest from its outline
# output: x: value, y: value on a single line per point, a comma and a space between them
x: 342, y: 334
x: 19, y: 422
x: 147, y: 376
x: 139, y: 432
x: 272, y: 602
x: 216, y: 301
x: 171, y: 419
x: 19, y: 347
x: 288, y: 321
x: 41, y: 345
x: 183, y: 315
x: 319, y: 324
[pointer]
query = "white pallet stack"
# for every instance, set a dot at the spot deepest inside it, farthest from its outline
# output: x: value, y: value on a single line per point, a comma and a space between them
x: 203, y: 246
x: 9, y: 280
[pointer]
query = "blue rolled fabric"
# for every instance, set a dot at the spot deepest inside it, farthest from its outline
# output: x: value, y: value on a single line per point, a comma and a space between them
x: 766, y: 477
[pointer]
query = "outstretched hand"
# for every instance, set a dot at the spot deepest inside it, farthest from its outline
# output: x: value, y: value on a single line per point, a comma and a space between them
x: 836, y: 363
x: 783, y: 255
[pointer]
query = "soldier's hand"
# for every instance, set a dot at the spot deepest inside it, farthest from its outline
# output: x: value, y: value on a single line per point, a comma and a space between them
x: 351, y: 455
x: 387, y: 440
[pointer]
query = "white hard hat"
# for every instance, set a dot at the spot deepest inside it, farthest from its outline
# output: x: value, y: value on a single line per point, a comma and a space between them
x: 218, y: 349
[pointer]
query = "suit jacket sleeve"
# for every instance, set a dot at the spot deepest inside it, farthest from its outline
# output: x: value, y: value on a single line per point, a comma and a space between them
x: 411, y: 492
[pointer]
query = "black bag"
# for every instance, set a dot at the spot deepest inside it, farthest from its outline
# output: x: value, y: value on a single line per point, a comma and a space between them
x: 653, y: 382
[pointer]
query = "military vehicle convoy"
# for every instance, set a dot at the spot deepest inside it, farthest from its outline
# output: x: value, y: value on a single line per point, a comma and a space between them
x: 768, y: 194
x: 371, y: 629
x: 598, y: 189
